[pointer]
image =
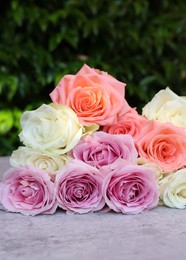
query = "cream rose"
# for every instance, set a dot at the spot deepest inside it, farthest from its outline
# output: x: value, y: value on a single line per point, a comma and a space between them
x: 158, y: 172
x: 51, y: 127
x: 166, y: 106
x: 44, y: 160
x: 173, y: 189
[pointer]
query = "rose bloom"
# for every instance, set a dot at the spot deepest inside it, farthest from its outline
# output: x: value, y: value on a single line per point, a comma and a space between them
x: 27, y: 190
x: 158, y: 171
x: 47, y: 161
x: 79, y: 188
x: 173, y: 189
x: 101, y: 149
x: 95, y: 96
x: 163, y: 144
x: 127, y: 123
x: 51, y: 127
x: 166, y: 106
x: 130, y: 188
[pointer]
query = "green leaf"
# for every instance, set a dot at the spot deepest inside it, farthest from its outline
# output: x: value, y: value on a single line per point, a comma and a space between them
x: 6, y: 121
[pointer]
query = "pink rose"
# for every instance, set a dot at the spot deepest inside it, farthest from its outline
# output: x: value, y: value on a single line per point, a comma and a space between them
x: 130, y: 189
x: 27, y: 190
x: 101, y: 149
x: 95, y: 96
x: 164, y: 144
x: 79, y: 188
x: 128, y: 123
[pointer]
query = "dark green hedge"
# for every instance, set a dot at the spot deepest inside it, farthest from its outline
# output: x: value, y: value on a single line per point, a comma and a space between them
x: 142, y: 43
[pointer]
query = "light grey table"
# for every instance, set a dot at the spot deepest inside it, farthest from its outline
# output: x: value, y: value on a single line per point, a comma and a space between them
x: 158, y: 234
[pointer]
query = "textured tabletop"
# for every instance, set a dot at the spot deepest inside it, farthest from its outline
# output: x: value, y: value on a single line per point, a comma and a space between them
x: 158, y: 234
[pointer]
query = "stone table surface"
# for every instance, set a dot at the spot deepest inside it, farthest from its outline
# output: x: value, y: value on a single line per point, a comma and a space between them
x: 158, y: 234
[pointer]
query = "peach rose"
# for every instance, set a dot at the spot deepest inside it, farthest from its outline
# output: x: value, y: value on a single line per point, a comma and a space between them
x: 128, y: 123
x: 163, y: 144
x: 95, y: 96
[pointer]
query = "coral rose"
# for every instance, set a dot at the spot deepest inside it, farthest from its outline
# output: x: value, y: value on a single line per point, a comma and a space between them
x: 95, y: 96
x: 128, y: 123
x: 163, y: 144
x: 27, y: 190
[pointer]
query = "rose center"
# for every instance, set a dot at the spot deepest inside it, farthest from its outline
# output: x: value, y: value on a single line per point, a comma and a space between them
x: 78, y: 192
x: 182, y: 193
x: 165, y: 151
x: 88, y: 100
x: 133, y: 193
x: 28, y: 189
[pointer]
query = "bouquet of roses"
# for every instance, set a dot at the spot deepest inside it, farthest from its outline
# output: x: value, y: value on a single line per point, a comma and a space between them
x: 90, y: 151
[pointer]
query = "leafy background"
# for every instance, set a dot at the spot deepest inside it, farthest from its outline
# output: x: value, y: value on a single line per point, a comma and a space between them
x: 142, y: 43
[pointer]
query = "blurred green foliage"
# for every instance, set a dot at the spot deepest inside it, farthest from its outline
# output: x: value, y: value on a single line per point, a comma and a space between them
x: 142, y: 43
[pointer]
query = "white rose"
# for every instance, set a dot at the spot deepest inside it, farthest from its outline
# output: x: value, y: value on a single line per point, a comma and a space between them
x: 173, y: 189
x: 51, y: 127
x: 166, y: 106
x: 46, y: 161
x: 158, y: 172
